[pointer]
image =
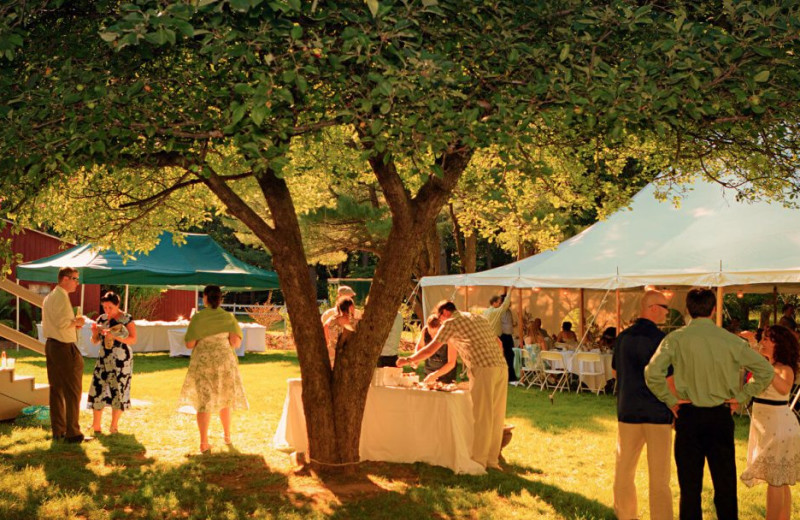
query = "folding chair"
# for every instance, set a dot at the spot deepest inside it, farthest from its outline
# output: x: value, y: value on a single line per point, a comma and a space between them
x: 532, y: 371
x: 793, y: 402
x: 588, y: 364
x: 554, y: 365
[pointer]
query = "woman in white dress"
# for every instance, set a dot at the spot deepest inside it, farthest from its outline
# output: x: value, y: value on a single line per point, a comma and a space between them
x: 213, y: 383
x: 773, y: 454
x: 340, y: 326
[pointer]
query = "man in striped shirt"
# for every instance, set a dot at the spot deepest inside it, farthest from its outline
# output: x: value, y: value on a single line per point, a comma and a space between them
x: 482, y: 353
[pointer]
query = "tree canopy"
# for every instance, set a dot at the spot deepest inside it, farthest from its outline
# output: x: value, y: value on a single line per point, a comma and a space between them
x: 153, y: 112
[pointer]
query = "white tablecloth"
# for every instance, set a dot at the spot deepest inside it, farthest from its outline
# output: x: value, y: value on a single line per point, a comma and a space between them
x: 85, y: 345
x: 593, y: 382
x: 154, y: 336
x: 400, y: 425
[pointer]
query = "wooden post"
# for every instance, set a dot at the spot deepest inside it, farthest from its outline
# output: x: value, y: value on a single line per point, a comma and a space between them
x: 583, y: 318
x: 720, y: 294
x: 775, y: 304
x: 619, y: 314
x: 466, y: 298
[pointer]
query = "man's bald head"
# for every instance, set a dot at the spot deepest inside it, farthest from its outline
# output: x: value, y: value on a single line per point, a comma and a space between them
x: 654, y: 307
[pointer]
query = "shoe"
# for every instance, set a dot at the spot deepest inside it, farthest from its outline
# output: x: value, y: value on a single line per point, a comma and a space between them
x: 77, y: 439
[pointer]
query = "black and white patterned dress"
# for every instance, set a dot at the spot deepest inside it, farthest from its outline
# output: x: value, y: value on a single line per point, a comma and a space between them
x: 111, y: 380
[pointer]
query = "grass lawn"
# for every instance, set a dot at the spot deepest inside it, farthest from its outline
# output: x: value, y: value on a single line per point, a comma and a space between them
x: 561, y: 462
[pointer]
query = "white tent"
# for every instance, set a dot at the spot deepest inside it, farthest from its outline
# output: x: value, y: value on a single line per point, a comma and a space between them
x: 709, y: 239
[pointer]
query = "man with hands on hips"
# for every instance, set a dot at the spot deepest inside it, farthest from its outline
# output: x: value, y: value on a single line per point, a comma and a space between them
x: 481, y: 351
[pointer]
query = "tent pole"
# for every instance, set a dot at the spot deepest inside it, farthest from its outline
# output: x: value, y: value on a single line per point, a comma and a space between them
x: 583, y: 318
x: 521, y: 319
x: 126, y: 298
x: 619, y: 314
x: 81, y: 310
x: 775, y: 304
x: 466, y: 298
x: 720, y: 294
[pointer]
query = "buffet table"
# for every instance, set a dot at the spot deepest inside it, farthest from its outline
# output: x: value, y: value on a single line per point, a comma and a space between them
x: 161, y: 336
x: 593, y: 382
x: 399, y: 425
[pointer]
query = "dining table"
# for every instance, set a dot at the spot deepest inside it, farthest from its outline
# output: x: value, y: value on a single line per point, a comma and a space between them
x: 399, y: 425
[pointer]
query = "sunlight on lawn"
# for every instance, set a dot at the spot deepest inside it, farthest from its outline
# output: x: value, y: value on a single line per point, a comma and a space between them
x: 560, y: 462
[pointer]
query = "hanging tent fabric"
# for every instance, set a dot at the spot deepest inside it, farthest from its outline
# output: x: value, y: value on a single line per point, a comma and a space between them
x: 709, y: 239
x: 199, y: 261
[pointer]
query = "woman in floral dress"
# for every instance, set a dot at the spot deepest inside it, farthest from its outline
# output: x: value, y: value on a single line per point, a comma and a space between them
x: 111, y: 380
x: 773, y: 452
x: 213, y: 383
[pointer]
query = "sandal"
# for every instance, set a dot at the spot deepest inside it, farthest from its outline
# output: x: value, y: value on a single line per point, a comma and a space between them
x: 205, y: 448
x: 228, y: 441
x: 113, y: 430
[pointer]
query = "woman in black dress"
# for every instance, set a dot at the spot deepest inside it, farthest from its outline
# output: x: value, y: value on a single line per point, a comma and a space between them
x: 111, y: 380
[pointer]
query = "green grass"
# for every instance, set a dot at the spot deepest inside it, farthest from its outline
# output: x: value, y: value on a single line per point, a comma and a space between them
x: 561, y: 462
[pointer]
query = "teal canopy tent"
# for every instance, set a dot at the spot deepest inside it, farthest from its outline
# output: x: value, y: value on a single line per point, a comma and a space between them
x: 199, y: 261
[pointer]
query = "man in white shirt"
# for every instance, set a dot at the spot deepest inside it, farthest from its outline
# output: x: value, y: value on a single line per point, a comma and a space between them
x: 64, y: 361
x: 502, y: 324
x: 389, y: 353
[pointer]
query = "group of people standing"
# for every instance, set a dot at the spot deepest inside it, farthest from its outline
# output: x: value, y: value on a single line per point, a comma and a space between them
x: 691, y: 379
x: 212, y: 384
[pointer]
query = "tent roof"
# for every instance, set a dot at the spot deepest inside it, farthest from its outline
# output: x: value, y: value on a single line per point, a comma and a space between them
x: 710, y: 239
x: 200, y: 261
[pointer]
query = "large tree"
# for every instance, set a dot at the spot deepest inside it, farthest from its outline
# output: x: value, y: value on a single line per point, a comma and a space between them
x: 148, y: 108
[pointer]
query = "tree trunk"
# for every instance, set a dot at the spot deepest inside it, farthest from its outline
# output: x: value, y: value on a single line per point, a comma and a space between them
x: 470, y: 253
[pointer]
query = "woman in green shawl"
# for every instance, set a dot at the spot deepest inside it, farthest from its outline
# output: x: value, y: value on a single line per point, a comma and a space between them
x: 213, y: 383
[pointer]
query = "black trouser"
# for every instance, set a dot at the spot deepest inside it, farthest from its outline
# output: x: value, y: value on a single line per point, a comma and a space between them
x: 700, y: 434
x: 65, y: 376
x: 387, y: 361
x: 508, y: 353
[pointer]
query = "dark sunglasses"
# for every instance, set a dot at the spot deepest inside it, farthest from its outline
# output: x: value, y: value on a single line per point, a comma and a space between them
x: 665, y: 307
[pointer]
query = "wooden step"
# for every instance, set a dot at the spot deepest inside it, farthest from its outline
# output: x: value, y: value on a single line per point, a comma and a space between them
x: 18, y: 392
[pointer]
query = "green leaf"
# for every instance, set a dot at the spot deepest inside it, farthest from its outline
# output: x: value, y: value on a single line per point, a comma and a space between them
x: 373, y: 7
x: 258, y: 114
x: 134, y: 89
x: 240, y: 5
x: 761, y: 77
x: 297, y: 32
x: 237, y: 113
x: 564, y: 53
x: 108, y: 36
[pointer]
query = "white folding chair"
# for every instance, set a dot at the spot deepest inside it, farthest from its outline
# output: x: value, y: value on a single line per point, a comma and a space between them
x: 554, y: 367
x: 793, y: 402
x: 532, y: 371
x: 589, y: 364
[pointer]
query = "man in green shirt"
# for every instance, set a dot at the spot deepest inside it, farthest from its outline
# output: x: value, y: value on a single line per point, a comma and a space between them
x: 707, y: 361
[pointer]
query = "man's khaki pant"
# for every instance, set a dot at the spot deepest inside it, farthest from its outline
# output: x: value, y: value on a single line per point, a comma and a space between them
x: 630, y: 440
x: 64, y: 374
x: 489, y: 390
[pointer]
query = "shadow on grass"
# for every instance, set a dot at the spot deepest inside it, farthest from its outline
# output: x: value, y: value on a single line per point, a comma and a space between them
x: 441, y: 494
x: 129, y: 483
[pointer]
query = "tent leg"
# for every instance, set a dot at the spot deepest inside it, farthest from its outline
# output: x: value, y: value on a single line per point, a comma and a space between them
x: 521, y: 319
x: 720, y: 294
x: 126, y: 298
x: 619, y: 314
x: 83, y: 294
x: 583, y: 317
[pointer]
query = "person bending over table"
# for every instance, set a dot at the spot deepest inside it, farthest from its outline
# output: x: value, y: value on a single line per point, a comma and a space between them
x: 472, y: 337
x: 213, y: 383
x: 338, y: 327
x: 113, y: 370
x: 439, y: 358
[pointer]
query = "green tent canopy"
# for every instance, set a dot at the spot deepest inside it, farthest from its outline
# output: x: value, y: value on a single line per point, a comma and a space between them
x: 199, y: 261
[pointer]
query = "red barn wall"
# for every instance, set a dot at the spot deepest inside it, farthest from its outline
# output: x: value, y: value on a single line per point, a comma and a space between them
x: 33, y: 245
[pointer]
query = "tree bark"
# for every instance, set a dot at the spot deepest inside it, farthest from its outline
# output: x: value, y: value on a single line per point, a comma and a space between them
x: 470, y: 258
x: 334, y: 400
